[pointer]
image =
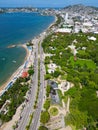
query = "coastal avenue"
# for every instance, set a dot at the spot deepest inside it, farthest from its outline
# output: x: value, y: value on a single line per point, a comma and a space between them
x: 28, y: 109
x: 36, y: 117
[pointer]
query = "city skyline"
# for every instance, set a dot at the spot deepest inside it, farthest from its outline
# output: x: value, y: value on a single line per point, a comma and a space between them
x: 44, y: 3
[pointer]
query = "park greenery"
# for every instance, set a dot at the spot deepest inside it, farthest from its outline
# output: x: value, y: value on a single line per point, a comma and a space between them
x: 47, y: 104
x: 48, y: 90
x: 16, y: 95
x: 42, y: 128
x: 37, y: 94
x: 53, y: 111
x: 45, y: 117
x: 81, y: 70
x: 31, y: 70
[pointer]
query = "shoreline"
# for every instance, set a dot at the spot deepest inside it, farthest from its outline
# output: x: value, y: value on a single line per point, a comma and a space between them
x: 4, y: 85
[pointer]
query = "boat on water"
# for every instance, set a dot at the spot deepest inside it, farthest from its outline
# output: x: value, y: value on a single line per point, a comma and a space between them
x: 14, y: 61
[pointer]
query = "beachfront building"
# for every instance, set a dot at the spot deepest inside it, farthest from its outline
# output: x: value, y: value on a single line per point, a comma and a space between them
x: 25, y: 74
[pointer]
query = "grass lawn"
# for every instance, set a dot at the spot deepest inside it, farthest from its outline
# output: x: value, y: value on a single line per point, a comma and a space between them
x: 63, y: 77
x: 89, y: 63
x: 73, y: 127
x: 53, y: 111
x: 65, y: 99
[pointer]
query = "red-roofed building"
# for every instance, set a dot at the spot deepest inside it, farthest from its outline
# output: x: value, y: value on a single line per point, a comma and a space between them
x: 25, y: 74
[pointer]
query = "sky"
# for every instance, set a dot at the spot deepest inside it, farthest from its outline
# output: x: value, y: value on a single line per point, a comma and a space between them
x: 45, y: 3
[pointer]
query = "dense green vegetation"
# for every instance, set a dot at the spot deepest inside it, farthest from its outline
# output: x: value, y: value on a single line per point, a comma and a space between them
x: 56, y: 73
x: 82, y: 72
x: 42, y: 128
x: 15, y: 95
x: 45, y: 117
x: 48, y: 89
x: 83, y: 108
x: 81, y: 62
x: 37, y: 94
x: 47, y: 104
x: 31, y: 70
x: 59, y: 19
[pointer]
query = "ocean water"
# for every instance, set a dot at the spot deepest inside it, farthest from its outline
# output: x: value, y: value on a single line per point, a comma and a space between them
x: 17, y: 28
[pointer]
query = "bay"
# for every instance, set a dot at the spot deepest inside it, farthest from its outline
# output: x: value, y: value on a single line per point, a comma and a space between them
x: 17, y: 28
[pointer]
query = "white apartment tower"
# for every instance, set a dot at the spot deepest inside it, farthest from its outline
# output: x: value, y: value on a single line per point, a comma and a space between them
x: 66, y: 17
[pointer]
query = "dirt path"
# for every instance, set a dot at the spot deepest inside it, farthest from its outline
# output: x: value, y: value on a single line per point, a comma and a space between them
x: 68, y: 103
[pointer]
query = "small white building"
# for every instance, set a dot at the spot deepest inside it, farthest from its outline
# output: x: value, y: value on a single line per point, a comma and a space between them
x: 66, y: 17
x: 64, y: 30
x: 76, y: 30
x: 64, y: 86
x: 87, y: 24
x: 73, y: 49
x: 96, y: 32
x: 50, y: 71
x: 52, y: 67
x: 83, y: 48
x: 92, y: 38
x: 84, y: 30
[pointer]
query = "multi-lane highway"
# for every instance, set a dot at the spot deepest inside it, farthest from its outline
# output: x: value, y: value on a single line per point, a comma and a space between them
x: 28, y: 109
x: 36, y: 118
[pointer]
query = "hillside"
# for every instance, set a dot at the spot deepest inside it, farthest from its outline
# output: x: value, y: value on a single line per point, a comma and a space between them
x: 81, y: 8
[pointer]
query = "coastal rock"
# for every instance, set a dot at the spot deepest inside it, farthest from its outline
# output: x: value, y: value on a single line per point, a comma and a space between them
x: 11, y: 46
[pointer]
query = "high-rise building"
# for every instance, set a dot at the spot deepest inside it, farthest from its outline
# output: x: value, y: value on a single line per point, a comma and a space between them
x: 66, y: 17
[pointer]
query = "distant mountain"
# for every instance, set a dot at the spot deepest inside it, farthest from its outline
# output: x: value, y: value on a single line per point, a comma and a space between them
x: 79, y: 7
x: 74, y: 6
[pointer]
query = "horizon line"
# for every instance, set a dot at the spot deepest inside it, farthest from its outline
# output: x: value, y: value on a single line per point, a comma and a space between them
x: 31, y: 6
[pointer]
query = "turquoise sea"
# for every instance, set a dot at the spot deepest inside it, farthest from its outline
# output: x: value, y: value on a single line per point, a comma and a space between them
x: 16, y: 28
